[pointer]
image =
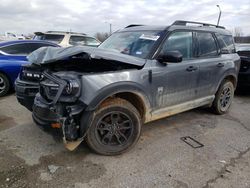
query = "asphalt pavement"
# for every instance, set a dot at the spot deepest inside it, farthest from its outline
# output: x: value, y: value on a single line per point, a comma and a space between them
x: 218, y: 155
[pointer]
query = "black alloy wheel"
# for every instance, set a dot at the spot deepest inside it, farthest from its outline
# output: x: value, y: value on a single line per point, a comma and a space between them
x: 114, y: 128
x: 4, y: 85
x: 223, y: 97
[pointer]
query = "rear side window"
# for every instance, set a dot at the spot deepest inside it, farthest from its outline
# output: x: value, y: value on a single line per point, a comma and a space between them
x: 80, y: 40
x: 22, y: 49
x: 180, y: 41
x: 226, y: 43
x: 206, y: 45
x: 92, y: 42
x: 50, y: 37
x: 77, y: 40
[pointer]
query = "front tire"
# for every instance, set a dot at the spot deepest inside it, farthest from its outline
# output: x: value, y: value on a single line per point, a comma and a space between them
x: 4, y: 85
x: 115, y: 127
x: 223, y: 97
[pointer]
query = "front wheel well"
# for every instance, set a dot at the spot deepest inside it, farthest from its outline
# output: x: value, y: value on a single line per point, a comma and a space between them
x: 133, y: 98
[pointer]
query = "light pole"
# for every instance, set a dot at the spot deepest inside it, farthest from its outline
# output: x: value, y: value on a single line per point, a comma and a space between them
x: 110, y: 28
x: 219, y: 15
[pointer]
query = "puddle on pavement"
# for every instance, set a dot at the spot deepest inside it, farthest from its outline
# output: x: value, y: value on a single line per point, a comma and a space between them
x: 6, y: 122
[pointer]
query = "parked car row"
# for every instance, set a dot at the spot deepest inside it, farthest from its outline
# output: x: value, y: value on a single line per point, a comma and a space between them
x: 139, y: 74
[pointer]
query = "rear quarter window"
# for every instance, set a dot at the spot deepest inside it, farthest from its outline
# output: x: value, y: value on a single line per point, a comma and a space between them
x: 226, y: 43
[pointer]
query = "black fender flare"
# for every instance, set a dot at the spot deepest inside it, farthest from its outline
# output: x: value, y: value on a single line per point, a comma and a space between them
x: 107, y: 92
x: 227, y: 74
x: 116, y: 88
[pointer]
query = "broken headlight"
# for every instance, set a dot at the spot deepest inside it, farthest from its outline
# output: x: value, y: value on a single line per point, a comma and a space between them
x: 72, y: 87
x: 49, y: 89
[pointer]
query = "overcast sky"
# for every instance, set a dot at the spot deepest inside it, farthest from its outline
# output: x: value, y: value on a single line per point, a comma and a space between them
x: 91, y: 16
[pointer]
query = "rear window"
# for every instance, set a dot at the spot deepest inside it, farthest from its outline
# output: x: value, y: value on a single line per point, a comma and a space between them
x: 207, y: 45
x: 50, y: 37
x: 226, y: 43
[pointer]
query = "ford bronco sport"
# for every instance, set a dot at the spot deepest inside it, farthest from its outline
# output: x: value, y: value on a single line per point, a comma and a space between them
x: 139, y: 74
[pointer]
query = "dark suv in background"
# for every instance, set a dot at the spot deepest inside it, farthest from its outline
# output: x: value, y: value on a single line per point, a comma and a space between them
x: 139, y: 74
x: 243, y: 51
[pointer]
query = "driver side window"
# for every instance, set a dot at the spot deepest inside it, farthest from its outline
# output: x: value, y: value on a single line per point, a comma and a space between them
x: 181, y: 41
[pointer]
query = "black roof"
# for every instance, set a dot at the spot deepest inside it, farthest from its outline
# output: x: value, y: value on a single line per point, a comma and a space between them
x: 180, y: 24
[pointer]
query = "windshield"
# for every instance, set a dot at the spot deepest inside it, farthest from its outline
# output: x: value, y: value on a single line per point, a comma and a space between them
x: 135, y: 43
x: 50, y: 37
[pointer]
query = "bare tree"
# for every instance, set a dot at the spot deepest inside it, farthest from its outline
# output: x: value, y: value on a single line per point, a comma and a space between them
x: 101, y: 36
x: 237, y: 32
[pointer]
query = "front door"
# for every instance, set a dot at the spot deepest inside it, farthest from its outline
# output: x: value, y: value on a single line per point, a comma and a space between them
x: 177, y: 82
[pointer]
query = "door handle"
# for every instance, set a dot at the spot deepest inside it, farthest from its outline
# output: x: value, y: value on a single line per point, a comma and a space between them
x: 220, y: 65
x: 191, y: 68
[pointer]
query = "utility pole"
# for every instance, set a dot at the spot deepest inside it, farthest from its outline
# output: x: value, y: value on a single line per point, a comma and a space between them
x: 219, y: 15
x: 110, y: 28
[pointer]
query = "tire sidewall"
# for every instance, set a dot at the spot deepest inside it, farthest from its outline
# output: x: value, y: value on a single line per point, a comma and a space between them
x: 7, y: 85
x: 217, y: 105
x: 114, y: 150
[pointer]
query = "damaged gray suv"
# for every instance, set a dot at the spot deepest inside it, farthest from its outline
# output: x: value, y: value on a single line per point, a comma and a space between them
x: 139, y: 74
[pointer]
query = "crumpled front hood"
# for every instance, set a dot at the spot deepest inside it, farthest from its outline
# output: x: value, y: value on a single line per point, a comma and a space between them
x: 48, y: 55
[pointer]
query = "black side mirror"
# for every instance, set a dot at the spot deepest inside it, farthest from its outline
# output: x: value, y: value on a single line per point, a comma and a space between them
x: 170, y: 56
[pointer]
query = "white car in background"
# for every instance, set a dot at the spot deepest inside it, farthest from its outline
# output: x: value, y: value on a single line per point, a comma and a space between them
x: 66, y: 39
x: 11, y: 36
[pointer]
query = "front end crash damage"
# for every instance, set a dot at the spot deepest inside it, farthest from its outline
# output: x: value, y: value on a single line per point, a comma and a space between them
x: 57, y: 107
x: 59, y: 104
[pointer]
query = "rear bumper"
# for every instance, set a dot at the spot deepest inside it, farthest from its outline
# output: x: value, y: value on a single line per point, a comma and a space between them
x: 26, y: 92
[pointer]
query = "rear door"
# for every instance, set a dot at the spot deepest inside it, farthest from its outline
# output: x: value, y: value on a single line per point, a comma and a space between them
x: 210, y: 62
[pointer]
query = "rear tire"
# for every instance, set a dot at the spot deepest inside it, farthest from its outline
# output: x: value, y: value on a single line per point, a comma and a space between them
x: 115, y: 127
x: 4, y: 85
x: 223, y: 97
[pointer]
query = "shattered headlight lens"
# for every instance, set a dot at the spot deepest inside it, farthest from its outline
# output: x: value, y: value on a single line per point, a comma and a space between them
x: 72, y: 87
x: 50, y: 89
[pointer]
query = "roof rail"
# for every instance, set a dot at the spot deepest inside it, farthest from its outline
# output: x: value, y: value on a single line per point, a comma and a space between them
x: 69, y: 32
x: 133, y: 25
x: 183, y: 22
